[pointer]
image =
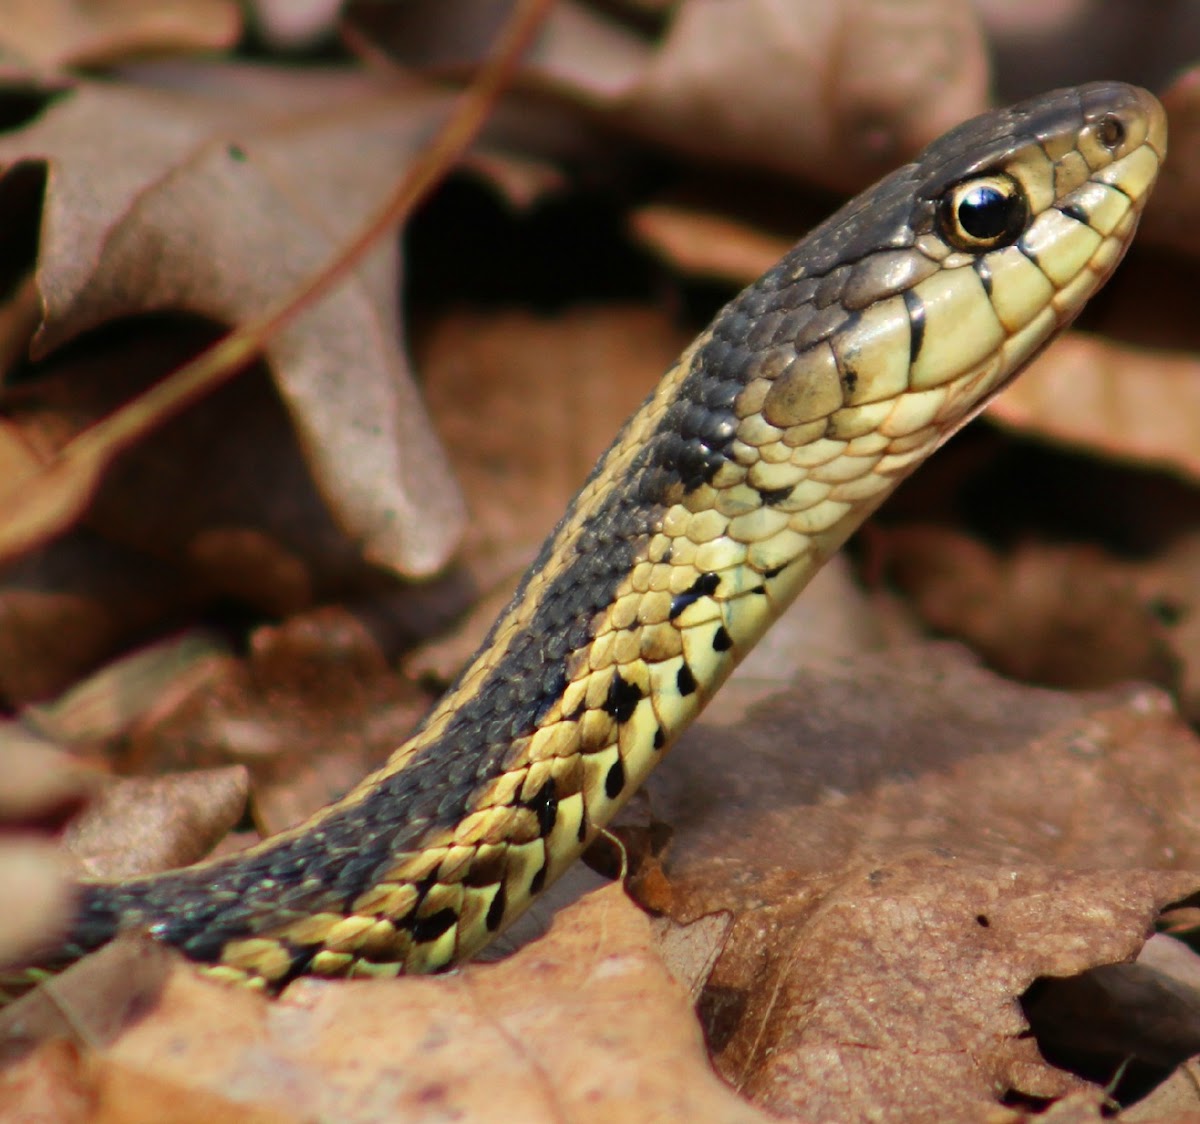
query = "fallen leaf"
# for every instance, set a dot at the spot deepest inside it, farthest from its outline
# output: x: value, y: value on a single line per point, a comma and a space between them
x: 141, y: 825
x: 1127, y: 403
x: 36, y: 897
x: 1176, y: 1099
x: 907, y: 843
x: 1038, y: 45
x: 1067, y: 616
x: 708, y: 245
x: 40, y: 780
x: 311, y: 710
x: 724, y: 82
x: 58, y: 34
x: 1172, y: 221
x: 208, y: 203
x: 583, y: 1025
x: 105, y: 705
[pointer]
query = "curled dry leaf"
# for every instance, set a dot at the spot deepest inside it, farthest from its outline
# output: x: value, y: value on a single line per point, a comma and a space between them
x: 41, y: 783
x: 704, y: 244
x: 553, y: 393
x: 104, y: 706
x: 1040, y: 45
x: 907, y: 843
x: 219, y: 205
x: 1066, y: 616
x: 41, y: 788
x: 584, y: 1025
x: 35, y: 897
x: 310, y: 711
x: 1126, y: 402
x: 835, y: 93
x: 1174, y: 220
x: 54, y: 35
x: 141, y: 825
x: 878, y: 81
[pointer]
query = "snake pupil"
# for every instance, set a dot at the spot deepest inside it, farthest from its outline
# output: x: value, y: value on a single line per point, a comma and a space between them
x: 984, y: 213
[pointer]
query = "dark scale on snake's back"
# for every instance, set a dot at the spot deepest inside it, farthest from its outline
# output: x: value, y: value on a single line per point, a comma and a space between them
x: 780, y: 429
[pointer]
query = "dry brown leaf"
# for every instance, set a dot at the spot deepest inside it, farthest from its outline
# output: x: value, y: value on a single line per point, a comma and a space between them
x: 1172, y: 581
x: 216, y: 203
x: 54, y: 35
x: 40, y: 781
x: 877, y: 81
x: 1173, y: 220
x: 49, y: 1090
x: 553, y: 391
x: 583, y: 1025
x: 1067, y: 616
x: 310, y: 711
x: 1175, y: 1101
x: 1040, y: 45
x: 1126, y: 402
x: 836, y: 94
x: 36, y: 898
x: 153, y: 679
x: 72, y: 604
x: 704, y: 244
x: 41, y: 789
x: 907, y: 843
x: 141, y: 825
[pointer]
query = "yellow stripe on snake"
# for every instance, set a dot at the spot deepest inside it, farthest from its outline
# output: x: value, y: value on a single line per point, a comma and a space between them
x: 790, y: 419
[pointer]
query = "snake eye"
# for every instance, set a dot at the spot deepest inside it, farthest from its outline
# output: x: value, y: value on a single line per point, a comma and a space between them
x: 983, y: 213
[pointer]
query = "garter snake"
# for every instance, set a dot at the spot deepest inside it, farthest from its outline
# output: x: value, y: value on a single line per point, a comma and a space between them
x: 780, y: 428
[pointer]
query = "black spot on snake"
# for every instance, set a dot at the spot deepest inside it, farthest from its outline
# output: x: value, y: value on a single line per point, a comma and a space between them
x: 538, y: 882
x: 495, y: 913
x: 576, y: 714
x: 623, y: 698
x: 660, y: 739
x: 1076, y: 212
x: 772, y: 496
x: 984, y: 272
x: 430, y: 928
x: 704, y: 586
x: 722, y: 641
x: 614, y: 781
x: 773, y: 572
x: 685, y: 681
x: 545, y: 806
x: 916, y: 323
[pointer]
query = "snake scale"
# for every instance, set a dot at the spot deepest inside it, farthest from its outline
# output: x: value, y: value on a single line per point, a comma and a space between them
x: 780, y: 428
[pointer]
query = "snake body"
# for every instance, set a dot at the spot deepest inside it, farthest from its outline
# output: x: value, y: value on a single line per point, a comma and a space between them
x: 780, y: 428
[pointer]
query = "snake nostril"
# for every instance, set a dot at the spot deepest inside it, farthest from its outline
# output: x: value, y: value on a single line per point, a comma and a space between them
x: 1110, y: 131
